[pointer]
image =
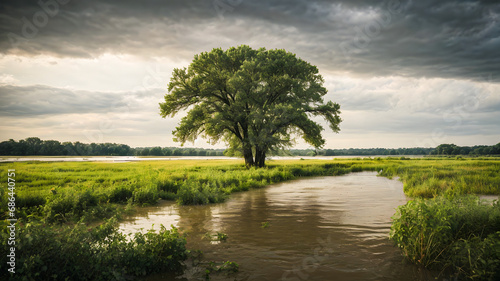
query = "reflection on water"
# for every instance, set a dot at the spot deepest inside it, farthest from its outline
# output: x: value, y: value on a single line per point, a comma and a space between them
x: 325, y: 228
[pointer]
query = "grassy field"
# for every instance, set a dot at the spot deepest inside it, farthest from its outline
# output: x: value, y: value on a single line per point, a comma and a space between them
x: 54, y: 194
x: 60, y: 191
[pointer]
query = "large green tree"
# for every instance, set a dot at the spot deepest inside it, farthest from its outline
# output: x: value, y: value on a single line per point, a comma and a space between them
x: 254, y: 100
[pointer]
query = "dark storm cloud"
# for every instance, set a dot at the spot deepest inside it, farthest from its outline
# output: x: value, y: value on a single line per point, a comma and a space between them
x: 90, y: 28
x: 38, y: 100
x: 450, y: 39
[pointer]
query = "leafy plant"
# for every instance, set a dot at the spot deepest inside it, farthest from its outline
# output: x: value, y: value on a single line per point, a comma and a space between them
x: 227, y: 267
x: 100, y: 253
x: 458, y: 234
x: 219, y: 236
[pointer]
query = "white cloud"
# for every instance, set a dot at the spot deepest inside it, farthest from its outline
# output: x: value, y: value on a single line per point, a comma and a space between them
x: 108, y: 72
x: 8, y: 79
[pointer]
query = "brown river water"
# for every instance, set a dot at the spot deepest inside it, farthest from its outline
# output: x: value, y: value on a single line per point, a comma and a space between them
x: 323, y: 228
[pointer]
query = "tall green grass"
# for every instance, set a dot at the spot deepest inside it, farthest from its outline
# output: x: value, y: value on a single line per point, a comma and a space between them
x: 458, y: 235
x: 430, y: 178
x: 62, y: 191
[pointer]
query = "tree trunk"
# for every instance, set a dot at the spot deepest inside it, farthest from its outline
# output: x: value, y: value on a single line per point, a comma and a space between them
x: 262, y: 160
x: 248, y: 155
x: 260, y: 157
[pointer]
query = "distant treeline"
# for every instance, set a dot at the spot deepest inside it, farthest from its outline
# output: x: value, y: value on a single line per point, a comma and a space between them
x: 451, y: 149
x: 443, y: 149
x: 362, y: 151
x: 35, y: 146
x: 176, y: 151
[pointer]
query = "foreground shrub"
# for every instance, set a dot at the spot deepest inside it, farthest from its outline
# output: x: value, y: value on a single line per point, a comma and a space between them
x: 459, y: 235
x: 30, y: 200
x: 146, y: 196
x: 59, y: 208
x: 101, y: 253
x: 65, y: 207
x: 120, y: 194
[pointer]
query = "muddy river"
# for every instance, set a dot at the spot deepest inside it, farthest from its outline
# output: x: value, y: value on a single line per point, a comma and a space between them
x: 324, y: 228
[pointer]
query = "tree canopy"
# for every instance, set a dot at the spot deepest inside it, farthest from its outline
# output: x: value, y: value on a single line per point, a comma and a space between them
x: 254, y: 100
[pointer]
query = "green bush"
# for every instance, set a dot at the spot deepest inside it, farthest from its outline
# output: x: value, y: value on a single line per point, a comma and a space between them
x: 30, y: 200
x: 167, y: 184
x: 101, y: 253
x: 59, y: 208
x: 195, y: 193
x: 146, y: 196
x: 189, y: 195
x: 458, y: 234
x: 63, y: 207
x: 83, y: 201
x: 165, y: 195
x: 477, y: 258
x: 120, y: 194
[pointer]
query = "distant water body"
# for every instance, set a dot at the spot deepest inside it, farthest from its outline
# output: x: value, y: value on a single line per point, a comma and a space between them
x: 121, y: 159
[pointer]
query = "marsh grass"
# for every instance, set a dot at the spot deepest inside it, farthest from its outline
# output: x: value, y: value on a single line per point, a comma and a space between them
x: 429, y: 178
x: 459, y: 235
x: 53, y: 198
x: 63, y: 191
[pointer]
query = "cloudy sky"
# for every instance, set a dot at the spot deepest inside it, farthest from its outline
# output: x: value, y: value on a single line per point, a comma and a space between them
x: 406, y: 73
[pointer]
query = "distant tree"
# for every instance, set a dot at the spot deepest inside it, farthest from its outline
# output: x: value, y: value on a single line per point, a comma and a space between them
x: 190, y: 152
x: 33, y: 145
x: 252, y: 99
x: 456, y: 150
x: 68, y: 148
x: 167, y: 152
x: 145, y: 152
x: 465, y: 150
x: 51, y: 147
x: 495, y: 149
x: 156, y: 151
x: 9, y: 147
x: 124, y: 149
x: 481, y: 150
x: 81, y: 148
x: 311, y: 153
x: 445, y: 149
x: 177, y: 152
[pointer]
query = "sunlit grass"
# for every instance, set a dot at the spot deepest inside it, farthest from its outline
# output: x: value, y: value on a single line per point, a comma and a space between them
x: 211, y: 181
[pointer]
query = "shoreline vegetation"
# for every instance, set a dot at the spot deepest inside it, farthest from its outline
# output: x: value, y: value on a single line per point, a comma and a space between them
x: 445, y: 227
